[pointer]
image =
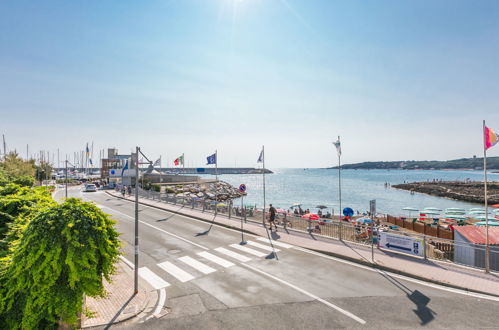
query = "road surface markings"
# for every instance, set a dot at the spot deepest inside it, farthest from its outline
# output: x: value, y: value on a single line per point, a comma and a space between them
x: 128, y: 262
x: 175, y: 271
x: 205, y: 269
x: 261, y: 246
x: 215, y: 259
x: 161, y: 230
x: 283, y: 245
x: 232, y: 254
x: 161, y: 302
x: 248, y: 250
x: 325, y: 302
x: 154, y: 280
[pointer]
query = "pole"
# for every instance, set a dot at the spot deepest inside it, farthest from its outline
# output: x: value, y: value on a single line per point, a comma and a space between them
x: 487, y: 247
x: 242, y: 234
x: 339, y: 176
x: 66, y: 183
x: 27, y: 152
x: 183, y: 162
x: 263, y: 177
x: 136, y: 250
x: 216, y: 181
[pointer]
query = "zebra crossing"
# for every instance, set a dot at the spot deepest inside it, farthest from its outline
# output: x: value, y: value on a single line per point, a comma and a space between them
x: 188, y: 268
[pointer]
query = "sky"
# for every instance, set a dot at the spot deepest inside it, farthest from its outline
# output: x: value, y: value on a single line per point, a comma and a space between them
x: 396, y: 80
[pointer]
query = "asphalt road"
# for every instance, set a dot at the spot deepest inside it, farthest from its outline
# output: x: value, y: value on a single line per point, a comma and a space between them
x: 300, y: 289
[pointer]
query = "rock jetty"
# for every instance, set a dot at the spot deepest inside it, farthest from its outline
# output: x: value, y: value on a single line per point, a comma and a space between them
x: 220, y: 191
x: 463, y: 191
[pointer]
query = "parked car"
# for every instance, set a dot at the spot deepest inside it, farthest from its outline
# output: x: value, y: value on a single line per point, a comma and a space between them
x: 90, y: 188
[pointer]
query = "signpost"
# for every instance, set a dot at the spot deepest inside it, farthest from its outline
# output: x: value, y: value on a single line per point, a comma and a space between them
x: 401, y: 243
x: 242, y: 189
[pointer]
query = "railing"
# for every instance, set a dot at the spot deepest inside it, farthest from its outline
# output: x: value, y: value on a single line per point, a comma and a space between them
x: 435, y: 248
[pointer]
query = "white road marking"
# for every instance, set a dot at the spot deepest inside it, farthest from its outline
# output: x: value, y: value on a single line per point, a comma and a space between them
x: 281, y: 244
x: 161, y: 302
x: 215, y: 259
x: 232, y: 254
x: 197, y: 265
x: 261, y: 246
x: 154, y: 280
x: 161, y: 230
x: 402, y: 277
x: 178, y: 273
x: 325, y: 302
x: 248, y: 250
x: 128, y: 262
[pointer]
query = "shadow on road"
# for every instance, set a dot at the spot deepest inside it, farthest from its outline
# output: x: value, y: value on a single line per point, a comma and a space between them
x: 425, y: 314
x: 207, y: 231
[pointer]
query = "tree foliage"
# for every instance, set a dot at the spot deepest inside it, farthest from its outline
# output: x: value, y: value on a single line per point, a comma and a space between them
x: 63, y: 253
x: 14, y: 167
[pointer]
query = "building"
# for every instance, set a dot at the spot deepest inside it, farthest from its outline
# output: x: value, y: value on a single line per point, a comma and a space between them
x: 469, y: 246
x: 112, y: 169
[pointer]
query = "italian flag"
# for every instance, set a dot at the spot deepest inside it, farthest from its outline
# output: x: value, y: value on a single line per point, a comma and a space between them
x: 491, y: 137
x: 179, y: 161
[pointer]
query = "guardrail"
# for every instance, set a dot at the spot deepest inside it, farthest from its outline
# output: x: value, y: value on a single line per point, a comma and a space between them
x: 434, y: 248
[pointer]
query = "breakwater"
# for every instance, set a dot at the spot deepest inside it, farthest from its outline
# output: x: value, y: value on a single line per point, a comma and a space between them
x: 462, y: 191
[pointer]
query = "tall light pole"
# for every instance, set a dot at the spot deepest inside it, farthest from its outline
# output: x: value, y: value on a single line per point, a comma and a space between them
x: 66, y: 179
x: 136, y: 251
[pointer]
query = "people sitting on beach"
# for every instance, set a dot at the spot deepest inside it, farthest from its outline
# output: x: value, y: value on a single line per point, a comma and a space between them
x: 307, y: 211
x: 296, y: 212
x: 328, y: 215
x: 300, y: 210
x: 319, y: 213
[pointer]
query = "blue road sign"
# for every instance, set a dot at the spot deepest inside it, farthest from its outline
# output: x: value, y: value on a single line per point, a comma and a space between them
x: 242, y: 187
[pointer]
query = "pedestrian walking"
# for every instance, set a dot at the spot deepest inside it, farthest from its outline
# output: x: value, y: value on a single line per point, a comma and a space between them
x: 272, y: 212
x: 129, y: 190
x: 123, y: 190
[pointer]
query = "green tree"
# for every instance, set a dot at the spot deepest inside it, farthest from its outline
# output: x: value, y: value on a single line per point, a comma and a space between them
x: 13, y: 166
x: 65, y: 252
x: 43, y: 171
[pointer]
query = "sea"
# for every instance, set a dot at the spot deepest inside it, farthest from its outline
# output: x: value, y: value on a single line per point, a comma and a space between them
x: 313, y: 187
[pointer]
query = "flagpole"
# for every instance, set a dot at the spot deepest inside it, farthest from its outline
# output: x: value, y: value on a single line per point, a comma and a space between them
x: 263, y: 176
x: 339, y: 176
x: 216, y: 165
x: 183, y: 162
x: 487, y: 247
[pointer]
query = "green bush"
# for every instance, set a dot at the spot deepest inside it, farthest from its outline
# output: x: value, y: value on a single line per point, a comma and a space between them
x: 64, y: 253
x: 156, y: 187
x: 24, y: 181
x: 169, y: 190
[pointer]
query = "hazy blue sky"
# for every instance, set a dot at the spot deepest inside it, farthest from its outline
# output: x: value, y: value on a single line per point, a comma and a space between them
x: 396, y: 79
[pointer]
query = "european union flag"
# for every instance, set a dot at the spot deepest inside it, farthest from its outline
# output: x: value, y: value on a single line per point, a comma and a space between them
x: 211, y: 159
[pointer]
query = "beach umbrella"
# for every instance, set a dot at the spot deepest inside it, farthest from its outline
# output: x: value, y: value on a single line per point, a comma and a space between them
x: 495, y: 205
x: 482, y: 217
x: 408, y: 208
x: 221, y: 205
x: 296, y: 205
x: 455, y: 212
x: 364, y: 220
x: 281, y: 210
x: 321, y: 207
x: 455, y: 217
x: 477, y: 209
x: 433, y: 209
x: 347, y: 212
x: 311, y: 216
x: 429, y: 212
x: 478, y: 212
x: 452, y: 209
x: 491, y: 223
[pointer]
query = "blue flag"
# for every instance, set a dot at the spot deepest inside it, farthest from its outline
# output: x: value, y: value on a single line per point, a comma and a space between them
x: 211, y: 159
x: 124, y: 168
x: 260, y: 158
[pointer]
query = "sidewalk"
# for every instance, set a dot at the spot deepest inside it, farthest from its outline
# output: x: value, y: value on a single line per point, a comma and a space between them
x: 443, y: 273
x: 119, y: 305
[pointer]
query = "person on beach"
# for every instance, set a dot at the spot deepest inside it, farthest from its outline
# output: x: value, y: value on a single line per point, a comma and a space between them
x: 272, y: 212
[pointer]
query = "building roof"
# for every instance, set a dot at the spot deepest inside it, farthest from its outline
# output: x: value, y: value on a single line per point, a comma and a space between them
x: 477, y: 234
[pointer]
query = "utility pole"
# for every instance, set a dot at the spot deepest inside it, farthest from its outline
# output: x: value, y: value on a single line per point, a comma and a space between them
x: 136, y: 251
x: 66, y: 183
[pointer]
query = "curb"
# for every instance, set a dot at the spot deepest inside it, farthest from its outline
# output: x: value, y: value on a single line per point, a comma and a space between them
x: 140, y: 310
x: 336, y: 255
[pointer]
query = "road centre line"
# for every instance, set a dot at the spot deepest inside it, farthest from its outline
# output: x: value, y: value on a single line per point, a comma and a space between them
x: 305, y: 250
x: 161, y: 230
x: 325, y: 302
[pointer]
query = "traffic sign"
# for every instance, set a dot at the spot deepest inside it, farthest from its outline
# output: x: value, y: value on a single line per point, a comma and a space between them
x: 242, y: 187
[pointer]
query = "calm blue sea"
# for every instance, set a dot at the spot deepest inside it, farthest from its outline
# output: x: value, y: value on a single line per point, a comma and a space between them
x: 312, y: 187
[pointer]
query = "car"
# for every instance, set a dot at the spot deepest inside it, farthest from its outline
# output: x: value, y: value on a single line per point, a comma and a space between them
x: 90, y: 188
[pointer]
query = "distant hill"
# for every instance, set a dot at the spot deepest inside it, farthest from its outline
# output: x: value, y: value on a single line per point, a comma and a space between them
x: 463, y: 163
